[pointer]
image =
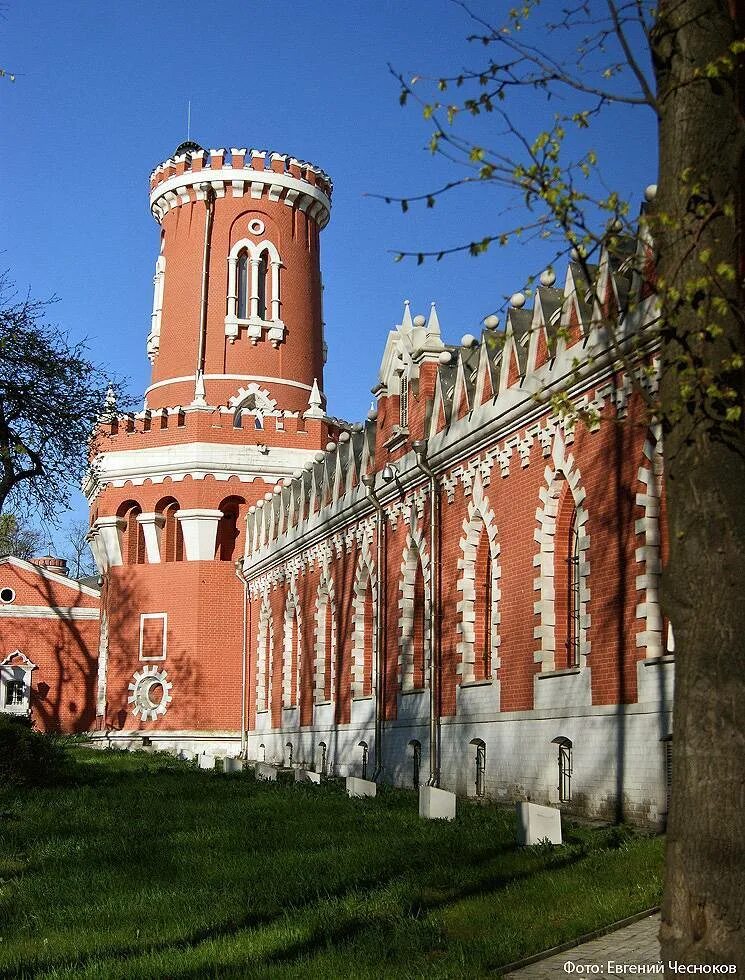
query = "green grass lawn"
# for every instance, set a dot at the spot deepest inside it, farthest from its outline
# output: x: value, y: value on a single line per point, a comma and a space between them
x: 147, y: 867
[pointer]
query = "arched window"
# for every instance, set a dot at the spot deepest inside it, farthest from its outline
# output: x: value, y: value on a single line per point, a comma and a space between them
x: 133, y: 550
x: 367, y: 649
x: 325, y: 638
x: 230, y: 529
x: 403, y: 402
x: 243, y: 286
x: 567, y: 581
x: 418, y: 632
x: 262, y: 286
x: 264, y: 658
x: 253, y: 299
x: 171, y: 538
x: 482, y: 667
x: 413, y: 620
x: 291, y: 653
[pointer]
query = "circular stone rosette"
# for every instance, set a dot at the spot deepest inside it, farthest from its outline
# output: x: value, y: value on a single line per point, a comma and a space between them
x: 144, y: 693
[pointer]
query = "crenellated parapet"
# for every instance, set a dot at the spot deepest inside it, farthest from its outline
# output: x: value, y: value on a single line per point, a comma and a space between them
x: 256, y: 174
x: 225, y: 442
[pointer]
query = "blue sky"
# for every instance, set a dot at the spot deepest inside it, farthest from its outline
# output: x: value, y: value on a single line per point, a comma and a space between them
x: 100, y: 99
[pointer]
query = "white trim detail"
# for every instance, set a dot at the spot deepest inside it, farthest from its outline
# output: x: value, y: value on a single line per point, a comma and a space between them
x: 648, y: 556
x: 48, y: 612
x: 415, y: 552
x: 264, y: 657
x: 254, y: 323
x: 292, y: 646
x: 197, y: 460
x: 143, y: 682
x: 325, y: 606
x: 13, y: 673
x: 152, y: 525
x: 153, y: 338
x: 365, y: 578
x: 480, y: 521
x: 70, y: 583
x: 199, y: 529
x: 170, y: 193
x: 544, y: 607
x: 264, y: 403
x: 229, y: 377
x: 163, y: 617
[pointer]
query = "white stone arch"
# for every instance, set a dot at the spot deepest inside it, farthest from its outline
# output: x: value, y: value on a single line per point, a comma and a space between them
x: 15, y: 683
x: 564, y: 468
x: 293, y: 631
x: 272, y: 316
x: 415, y: 553
x: 480, y: 521
x: 366, y: 577
x: 325, y: 606
x: 648, y: 553
x: 264, y: 656
x: 258, y: 397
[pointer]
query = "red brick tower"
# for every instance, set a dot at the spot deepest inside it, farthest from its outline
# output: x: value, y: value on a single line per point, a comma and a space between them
x: 234, y: 408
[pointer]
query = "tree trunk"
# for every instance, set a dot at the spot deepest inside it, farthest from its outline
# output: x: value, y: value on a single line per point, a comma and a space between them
x: 696, y: 227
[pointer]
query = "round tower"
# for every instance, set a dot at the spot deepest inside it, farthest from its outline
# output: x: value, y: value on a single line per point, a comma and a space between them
x: 237, y: 298
x: 234, y: 411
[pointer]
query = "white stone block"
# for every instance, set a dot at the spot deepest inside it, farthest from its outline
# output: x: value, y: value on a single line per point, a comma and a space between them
x: 360, y: 787
x: 265, y: 772
x: 206, y: 761
x: 537, y: 823
x: 436, y: 804
x: 232, y: 765
x: 307, y: 776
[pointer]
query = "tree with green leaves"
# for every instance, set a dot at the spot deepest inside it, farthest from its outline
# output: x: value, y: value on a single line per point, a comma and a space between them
x: 681, y: 60
x: 51, y: 395
x: 18, y: 538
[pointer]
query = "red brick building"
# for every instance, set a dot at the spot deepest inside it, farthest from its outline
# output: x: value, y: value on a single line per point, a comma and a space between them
x: 462, y: 590
x: 49, y: 634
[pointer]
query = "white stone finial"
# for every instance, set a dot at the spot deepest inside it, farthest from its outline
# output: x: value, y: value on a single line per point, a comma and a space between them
x: 109, y: 405
x: 650, y: 193
x: 445, y: 357
x: 433, y: 324
x: 315, y: 403
x: 200, y: 399
x: 491, y: 322
x: 419, y: 321
x: 548, y: 277
x: 517, y: 301
x: 406, y: 321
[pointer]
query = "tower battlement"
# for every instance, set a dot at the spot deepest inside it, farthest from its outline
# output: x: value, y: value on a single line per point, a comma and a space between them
x: 184, y: 178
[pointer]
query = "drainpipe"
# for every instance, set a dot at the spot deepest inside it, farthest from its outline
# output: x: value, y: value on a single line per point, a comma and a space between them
x: 420, y: 448
x: 199, y: 396
x: 369, y: 482
x: 244, y: 661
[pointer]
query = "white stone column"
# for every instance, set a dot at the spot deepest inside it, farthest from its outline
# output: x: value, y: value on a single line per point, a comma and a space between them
x: 152, y: 525
x: 199, y: 528
x: 108, y: 531
x: 231, y: 320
